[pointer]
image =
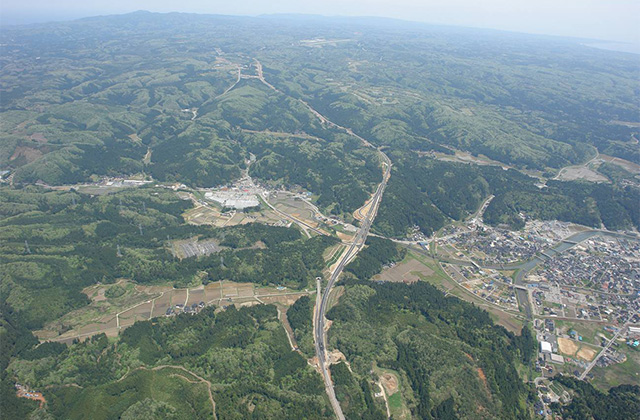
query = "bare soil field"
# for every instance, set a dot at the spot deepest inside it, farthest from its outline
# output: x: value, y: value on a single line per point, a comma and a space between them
x: 344, y: 236
x: 212, y: 292
x: 567, y: 346
x: 586, y: 353
x: 390, y: 383
x: 139, y: 313
x: 464, y: 157
x: 404, y: 272
x: 196, y: 296
x: 162, y: 304
x: 178, y: 297
x: 581, y: 172
x: 39, y: 137
x: 286, y: 300
x: 29, y: 154
x: 625, y: 164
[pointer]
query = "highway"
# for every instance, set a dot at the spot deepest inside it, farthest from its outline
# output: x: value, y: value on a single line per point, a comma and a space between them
x: 355, y: 247
x: 319, y: 321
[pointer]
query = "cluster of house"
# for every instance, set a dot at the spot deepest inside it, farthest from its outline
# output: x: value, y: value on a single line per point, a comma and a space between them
x: 560, y: 298
x: 194, y: 308
x: 612, y: 266
x: 500, y: 246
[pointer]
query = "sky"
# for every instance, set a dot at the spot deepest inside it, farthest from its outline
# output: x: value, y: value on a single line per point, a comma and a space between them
x: 611, y: 20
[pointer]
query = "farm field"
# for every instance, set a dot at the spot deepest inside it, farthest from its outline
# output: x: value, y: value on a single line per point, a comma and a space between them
x: 408, y: 271
x: 209, y: 215
x: 111, y: 315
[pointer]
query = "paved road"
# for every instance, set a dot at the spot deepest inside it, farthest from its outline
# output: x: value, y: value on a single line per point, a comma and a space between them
x: 355, y: 247
x: 345, y: 258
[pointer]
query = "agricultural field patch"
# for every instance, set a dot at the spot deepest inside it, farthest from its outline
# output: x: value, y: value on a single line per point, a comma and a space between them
x: 409, y: 271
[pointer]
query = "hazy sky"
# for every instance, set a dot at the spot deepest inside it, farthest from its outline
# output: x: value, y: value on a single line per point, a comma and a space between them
x: 617, y: 20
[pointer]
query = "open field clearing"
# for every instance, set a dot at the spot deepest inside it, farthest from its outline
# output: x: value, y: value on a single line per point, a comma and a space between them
x: 299, y: 210
x: 294, y: 206
x: 576, y: 349
x: 392, y: 387
x: 194, y: 248
x: 627, y: 372
x: 139, y: 313
x: 464, y: 157
x: 573, y: 173
x: 567, y: 346
x: 586, y: 353
x: 625, y: 164
x: 196, y: 296
x: 408, y: 272
x: 209, y: 215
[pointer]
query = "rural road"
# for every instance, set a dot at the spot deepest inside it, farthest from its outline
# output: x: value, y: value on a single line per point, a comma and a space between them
x: 606, y: 347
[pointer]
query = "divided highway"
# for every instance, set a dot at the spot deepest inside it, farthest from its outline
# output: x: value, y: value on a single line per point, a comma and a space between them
x: 319, y: 322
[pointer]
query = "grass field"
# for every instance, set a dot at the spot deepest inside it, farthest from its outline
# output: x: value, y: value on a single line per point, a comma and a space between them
x: 621, y: 373
x: 410, y: 270
x: 589, y: 331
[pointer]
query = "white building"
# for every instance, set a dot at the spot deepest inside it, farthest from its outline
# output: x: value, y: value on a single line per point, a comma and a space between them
x: 545, y: 347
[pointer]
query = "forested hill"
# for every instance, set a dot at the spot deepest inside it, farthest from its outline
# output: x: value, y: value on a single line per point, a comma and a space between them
x: 429, y: 193
x: 90, y: 96
x: 309, y: 104
x: 453, y: 358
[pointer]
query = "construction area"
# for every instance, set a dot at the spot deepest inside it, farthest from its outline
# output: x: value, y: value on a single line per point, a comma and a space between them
x: 194, y: 248
x: 233, y: 199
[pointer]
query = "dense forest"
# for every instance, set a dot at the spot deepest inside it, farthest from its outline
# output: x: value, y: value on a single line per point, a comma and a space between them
x: 446, y: 348
x: 621, y: 402
x: 435, y: 343
x: 243, y: 353
x: 428, y: 193
x: 377, y: 253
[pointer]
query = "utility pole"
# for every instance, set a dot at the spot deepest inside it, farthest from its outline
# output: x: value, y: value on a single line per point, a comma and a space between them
x: 119, y: 254
x: 26, y: 246
x: 140, y: 227
x: 120, y: 204
x: 144, y: 206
